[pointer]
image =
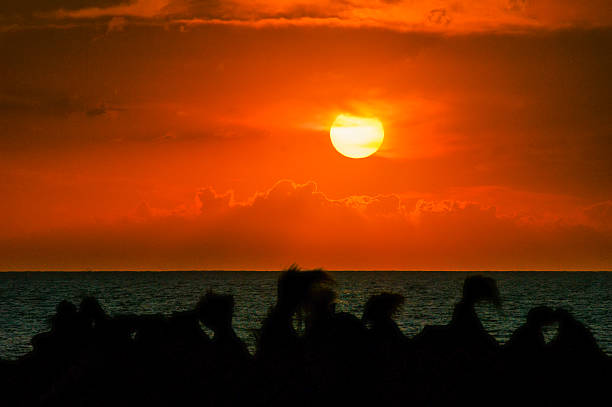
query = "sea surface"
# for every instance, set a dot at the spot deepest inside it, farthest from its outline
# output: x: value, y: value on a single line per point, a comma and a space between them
x: 27, y: 300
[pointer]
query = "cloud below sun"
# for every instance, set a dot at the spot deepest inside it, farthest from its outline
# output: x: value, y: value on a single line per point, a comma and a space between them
x: 293, y: 222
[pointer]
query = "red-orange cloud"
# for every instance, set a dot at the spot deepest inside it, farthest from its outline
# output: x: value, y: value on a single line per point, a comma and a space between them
x: 297, y: 223
x: 421, y: 15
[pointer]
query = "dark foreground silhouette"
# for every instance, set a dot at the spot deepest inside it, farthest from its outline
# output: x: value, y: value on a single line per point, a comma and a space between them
x: 307, y: 355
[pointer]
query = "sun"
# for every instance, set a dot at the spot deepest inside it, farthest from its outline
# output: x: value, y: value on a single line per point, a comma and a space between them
x: 356, y: 137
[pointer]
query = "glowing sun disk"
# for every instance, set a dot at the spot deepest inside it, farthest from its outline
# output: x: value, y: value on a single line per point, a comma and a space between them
x: 356, y: 137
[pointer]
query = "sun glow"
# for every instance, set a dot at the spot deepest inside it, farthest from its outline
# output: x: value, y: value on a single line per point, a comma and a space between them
x: 356, y: 137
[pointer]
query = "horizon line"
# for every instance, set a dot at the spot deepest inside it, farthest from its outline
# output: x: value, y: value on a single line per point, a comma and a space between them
x: 329, y: 270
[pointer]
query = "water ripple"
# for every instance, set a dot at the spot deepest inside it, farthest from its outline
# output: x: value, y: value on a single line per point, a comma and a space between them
x: 28, y: 299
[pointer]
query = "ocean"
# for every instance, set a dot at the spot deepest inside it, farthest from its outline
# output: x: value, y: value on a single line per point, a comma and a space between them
x: 27, y: 300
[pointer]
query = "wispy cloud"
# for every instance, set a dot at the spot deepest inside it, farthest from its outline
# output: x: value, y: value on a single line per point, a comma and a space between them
x: 419, y: 15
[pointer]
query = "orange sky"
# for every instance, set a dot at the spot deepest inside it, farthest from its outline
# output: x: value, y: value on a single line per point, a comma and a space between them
x: 186, y: 134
